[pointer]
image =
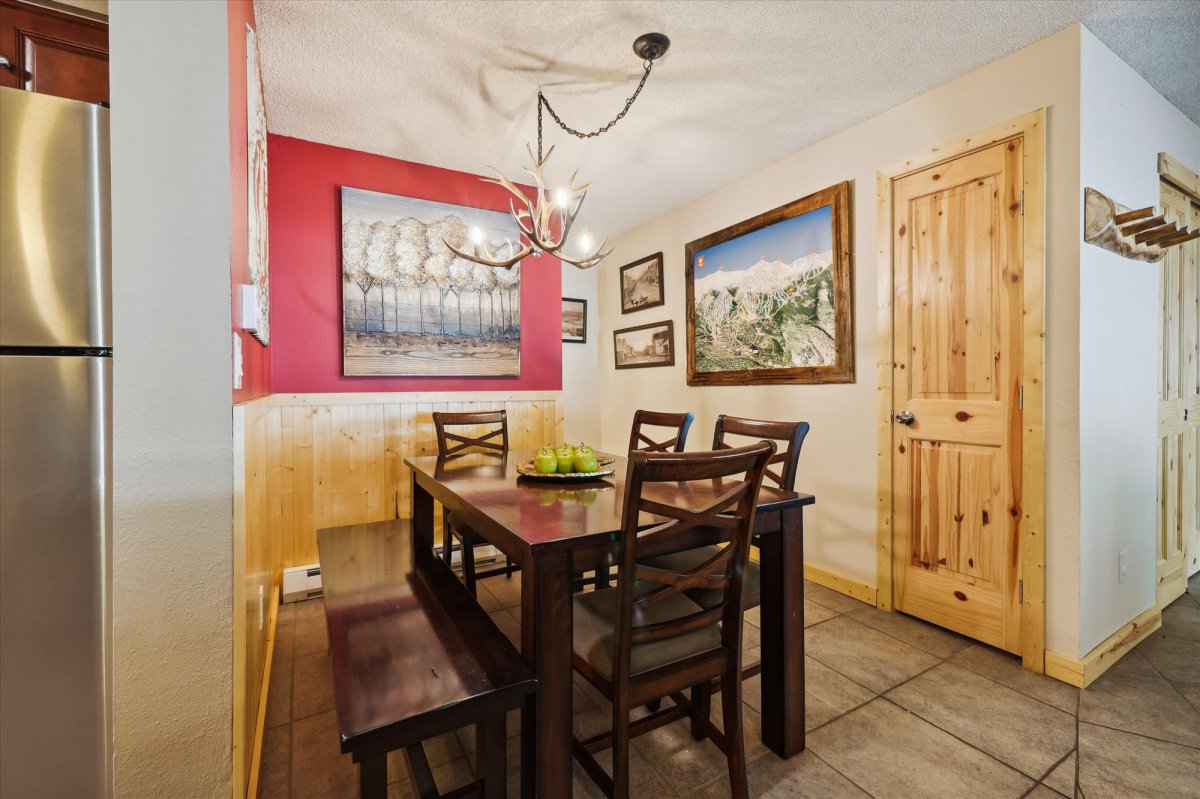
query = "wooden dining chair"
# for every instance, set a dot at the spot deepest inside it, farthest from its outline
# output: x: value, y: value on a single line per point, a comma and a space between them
x: 644, y: 639
x: 781, y: 470
x: 678, y: 422
x: 459, y: 434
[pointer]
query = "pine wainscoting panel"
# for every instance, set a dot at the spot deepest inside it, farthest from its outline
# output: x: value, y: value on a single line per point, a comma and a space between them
x: 256, y: 579
x: 339, y: 458
x: 307, y: 461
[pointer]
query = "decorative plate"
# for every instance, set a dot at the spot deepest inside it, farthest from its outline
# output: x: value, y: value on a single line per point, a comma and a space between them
x: 527, y: 470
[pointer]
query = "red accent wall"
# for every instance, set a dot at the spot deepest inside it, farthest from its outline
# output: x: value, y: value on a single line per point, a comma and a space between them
x: 256, y: 361
x: 305, y: 181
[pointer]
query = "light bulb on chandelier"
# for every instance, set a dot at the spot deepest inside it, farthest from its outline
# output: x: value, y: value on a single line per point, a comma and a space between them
x: 545, y: 223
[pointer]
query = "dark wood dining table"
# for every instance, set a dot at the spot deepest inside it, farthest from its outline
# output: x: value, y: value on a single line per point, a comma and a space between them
x: 553, y: 531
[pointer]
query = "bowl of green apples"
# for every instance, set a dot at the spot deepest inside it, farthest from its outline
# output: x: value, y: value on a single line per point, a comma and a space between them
x: 566, y: 463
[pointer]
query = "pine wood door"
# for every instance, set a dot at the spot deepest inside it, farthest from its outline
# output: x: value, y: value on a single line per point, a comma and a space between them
x: 1178, y: 523
x: 957, y: 322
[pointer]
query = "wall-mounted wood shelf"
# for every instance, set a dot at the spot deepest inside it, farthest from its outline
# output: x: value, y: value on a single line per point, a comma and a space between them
x: 1141, y: 234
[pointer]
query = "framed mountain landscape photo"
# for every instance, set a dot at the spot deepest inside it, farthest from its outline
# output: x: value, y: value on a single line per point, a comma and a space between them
x: 770, y: 300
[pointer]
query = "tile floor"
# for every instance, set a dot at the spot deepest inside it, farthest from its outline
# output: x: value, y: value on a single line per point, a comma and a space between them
x: 896, y: 708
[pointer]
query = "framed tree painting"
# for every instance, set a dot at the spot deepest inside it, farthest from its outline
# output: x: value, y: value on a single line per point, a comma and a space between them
x: 645, y: 345
x: 410, y: 306
x: 642, y: 284
x: 258, y: 253
x: 769, y: 300
x: 574, y: 320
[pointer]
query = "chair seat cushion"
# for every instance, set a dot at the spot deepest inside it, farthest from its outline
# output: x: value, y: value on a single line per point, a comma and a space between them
x: 689, y: 559
x: 595, y: 621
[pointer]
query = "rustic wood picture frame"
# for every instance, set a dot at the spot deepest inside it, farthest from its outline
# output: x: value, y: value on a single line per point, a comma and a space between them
x: 582, y: 339
x: 842, y: 370
x: 662, y: 297
x: 668, y: 359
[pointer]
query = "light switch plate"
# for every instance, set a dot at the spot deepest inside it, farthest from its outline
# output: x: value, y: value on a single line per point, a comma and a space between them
x: 249, y: 307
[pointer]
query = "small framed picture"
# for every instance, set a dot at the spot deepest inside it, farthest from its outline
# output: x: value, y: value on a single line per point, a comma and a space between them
x: 642, y: 284
x: 574, y: 320
x: 645, y: 345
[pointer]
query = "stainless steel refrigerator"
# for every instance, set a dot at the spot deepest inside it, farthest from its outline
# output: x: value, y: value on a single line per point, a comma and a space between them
x: 55, y: 443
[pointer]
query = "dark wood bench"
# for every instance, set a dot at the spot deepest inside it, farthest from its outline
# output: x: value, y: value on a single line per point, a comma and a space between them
x: 414, y: 656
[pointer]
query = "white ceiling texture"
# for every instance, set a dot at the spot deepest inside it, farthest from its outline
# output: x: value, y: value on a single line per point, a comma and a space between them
x: 745, y: 83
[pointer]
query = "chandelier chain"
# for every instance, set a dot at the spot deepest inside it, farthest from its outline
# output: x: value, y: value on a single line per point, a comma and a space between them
x: 543, y: 102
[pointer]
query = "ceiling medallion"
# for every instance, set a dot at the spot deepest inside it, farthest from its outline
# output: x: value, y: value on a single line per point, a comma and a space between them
x: 547, y: 222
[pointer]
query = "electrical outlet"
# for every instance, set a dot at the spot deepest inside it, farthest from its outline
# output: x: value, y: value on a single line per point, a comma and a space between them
x: 1122, y: 565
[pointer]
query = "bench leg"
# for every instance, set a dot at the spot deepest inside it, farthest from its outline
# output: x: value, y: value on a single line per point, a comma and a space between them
x: 490, y: 756
x: 372, y: 777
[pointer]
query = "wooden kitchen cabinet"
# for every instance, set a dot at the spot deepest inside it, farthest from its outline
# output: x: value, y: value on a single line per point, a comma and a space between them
x: 53, y: 52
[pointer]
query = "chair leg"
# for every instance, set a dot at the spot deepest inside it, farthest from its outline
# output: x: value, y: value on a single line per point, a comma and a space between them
x: 603, y: 577
x: 468, y: 561
x: 620, y: 750
x: 447, y: 544
x: 508, y: 565
x: 490, y: 756
x: 702, y: 702
x: 653, y: 705
x: 372, y: 777
x: 731, y: 710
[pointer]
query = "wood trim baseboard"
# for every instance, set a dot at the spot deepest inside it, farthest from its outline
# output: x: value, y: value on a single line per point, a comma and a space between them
x: 260, y: 727
x: 1083, y: 672
x: 843, y: 585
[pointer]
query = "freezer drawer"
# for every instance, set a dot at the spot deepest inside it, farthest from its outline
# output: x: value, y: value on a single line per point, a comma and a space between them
x: 54, y: 222
x: 55, y: 577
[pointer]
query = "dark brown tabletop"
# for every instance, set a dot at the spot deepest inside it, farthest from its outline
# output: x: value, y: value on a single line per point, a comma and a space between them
x: 544, y: 515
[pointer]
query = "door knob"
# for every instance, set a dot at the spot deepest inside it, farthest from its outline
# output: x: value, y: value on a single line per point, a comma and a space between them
x: 5, y: 63
x: 905, y: 418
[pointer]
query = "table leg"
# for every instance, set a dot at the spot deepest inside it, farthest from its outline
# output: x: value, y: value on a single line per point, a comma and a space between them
x: 422, y: 517
x: 546, y: 644
x: 782, y: 618
x: 372, y: 777
x: 490, y: 756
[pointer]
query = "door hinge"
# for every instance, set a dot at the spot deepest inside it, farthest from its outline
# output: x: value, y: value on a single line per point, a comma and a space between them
x: 1020, y: 398
x: 1022, y: 202
x: 1020, y: 592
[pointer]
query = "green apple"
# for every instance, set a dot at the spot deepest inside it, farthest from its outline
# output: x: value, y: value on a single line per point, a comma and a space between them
x: 585, y: 459
x: 545, y: 462
x: 566, y: 458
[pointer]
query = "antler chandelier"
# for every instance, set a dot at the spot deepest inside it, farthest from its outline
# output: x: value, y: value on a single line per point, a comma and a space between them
x: 546, y: 222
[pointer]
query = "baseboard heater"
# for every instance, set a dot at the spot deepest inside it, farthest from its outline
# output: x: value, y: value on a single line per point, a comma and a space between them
x: 302, y: 582
x: 484, y: 556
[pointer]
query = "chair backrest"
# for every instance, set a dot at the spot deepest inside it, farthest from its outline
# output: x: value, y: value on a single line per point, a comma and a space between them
x: 725, y: 485
x: 679, y: 422
x: 450, y: 443
x: 788, y: 454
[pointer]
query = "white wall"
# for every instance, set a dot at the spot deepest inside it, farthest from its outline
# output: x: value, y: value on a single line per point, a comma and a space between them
x: 838, y: 464
x: 172, y: 442
x: 581, y: 362
x: 1123, y: 125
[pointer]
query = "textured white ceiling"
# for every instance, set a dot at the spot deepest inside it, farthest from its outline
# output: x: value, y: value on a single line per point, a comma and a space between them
x: 746, y: 83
